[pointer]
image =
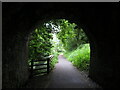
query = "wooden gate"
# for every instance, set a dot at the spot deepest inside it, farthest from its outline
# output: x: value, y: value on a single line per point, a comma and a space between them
x: 40, y: 67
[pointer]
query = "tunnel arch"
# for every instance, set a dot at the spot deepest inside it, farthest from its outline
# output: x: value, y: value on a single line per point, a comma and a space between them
x: 17, y: 26
x: 62, y: 15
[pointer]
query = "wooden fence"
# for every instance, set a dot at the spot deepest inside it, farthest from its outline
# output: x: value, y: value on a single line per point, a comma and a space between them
x: 42, y: 66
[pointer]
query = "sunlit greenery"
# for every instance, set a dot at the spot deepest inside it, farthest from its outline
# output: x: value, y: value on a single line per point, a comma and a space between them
x: 80, y: 57
x: 42, y: 43
x: 75, y: 43
x: 39, y: 45
x: 60, y: 36
x: 69, y: 34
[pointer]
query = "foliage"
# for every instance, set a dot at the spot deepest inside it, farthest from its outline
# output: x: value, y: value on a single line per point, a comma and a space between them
x: 55, y: 50
x: 69, y: 34
x: 80, y: 57
x: 39, y: 43
x: 54, y: 60
x: 69, y: 38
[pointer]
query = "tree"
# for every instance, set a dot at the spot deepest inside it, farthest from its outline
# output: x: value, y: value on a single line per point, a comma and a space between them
x: 39, y: 43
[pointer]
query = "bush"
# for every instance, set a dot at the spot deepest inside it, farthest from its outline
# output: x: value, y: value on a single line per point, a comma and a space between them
x: 80, y: 57
x: 54, y: 61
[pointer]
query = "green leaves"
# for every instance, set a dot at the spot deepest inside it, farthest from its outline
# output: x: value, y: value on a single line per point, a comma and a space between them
x: 80, y: 57
x: 70, y: 36
x: 39, y: 43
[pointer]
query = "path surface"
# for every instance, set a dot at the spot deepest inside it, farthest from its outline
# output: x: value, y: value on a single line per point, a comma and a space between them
x: 65, y: 75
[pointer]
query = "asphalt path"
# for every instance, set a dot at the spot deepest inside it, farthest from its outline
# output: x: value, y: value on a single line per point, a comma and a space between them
x: 65, y: 75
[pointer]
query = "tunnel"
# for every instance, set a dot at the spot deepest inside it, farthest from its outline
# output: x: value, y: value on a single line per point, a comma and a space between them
x: 99, y: 21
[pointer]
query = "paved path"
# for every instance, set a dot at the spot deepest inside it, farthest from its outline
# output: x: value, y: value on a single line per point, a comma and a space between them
x: 65, y: 75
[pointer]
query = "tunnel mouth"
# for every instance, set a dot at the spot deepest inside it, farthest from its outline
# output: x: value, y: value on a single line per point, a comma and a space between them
x: 59, y: 36
x: 100, y: 25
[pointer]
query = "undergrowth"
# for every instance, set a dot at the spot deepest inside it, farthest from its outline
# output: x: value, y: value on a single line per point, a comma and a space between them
x: 80, y: 57
x: 54, y: 61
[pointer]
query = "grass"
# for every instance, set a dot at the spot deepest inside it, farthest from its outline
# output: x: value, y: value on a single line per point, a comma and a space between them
x: 80, y: 57
x: 54, y: 61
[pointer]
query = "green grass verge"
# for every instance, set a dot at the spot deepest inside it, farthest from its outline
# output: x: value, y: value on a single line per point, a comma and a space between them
x: 80, y: 57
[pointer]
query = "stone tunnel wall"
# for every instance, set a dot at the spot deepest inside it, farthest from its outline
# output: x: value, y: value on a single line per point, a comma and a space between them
x: 16, y: 71
x: 100, y: 24
x: 105, y: 58
x: 15, y: 67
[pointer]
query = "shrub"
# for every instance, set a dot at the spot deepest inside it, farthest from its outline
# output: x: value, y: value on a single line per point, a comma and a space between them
x: 80, y: 57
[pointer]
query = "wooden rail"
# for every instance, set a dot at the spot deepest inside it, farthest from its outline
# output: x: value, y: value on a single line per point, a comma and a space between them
x: 47, y: 64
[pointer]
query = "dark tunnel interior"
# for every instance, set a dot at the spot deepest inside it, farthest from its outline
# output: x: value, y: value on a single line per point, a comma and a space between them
x: 99, y: 20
